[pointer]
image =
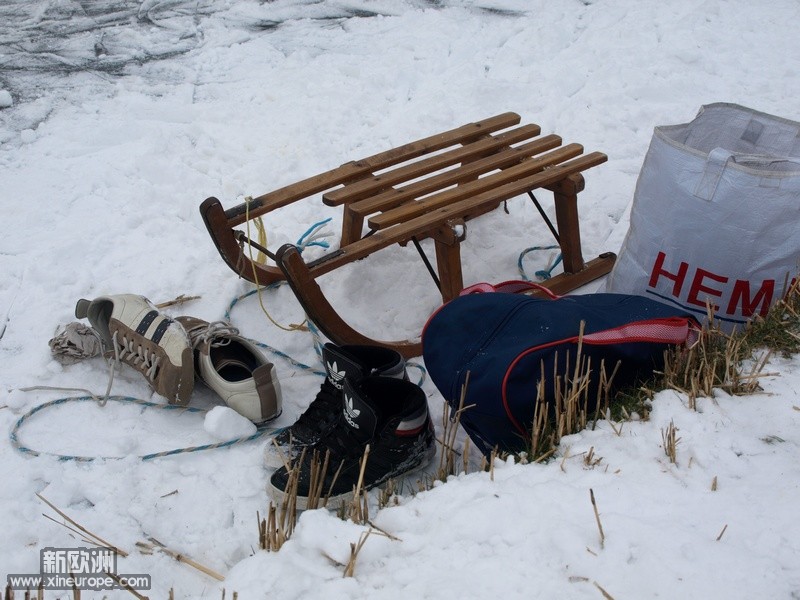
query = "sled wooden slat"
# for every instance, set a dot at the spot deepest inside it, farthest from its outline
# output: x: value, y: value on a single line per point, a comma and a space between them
x: 425, y: 189
x: 500, y: 160
x: 366, y: 188
x: 365, y: 166
x: 354, y: 214
x: 513, y: 175
x: 472, y: 207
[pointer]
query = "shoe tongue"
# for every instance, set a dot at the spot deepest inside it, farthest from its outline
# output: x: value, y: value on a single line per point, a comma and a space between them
x: 340, y: 366
x: 358, y: 414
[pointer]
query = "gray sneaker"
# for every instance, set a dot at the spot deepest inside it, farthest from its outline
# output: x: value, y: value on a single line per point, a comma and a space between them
x: 235, y: 368
x: 134, y: 331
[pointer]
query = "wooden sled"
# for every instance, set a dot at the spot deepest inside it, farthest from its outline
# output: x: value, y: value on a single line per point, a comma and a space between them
x: 428, y: 188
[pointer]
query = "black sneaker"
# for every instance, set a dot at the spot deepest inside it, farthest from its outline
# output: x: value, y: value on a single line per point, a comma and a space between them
x: 351, y: 362
x: 389, y: 415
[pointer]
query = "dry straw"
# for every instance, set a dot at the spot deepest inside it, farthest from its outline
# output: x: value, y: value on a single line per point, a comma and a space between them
x: 716, y: 361
x: 597, y: 518
x: 180, y: 557
x: 86, y: 535
x: 10, y: 595
x: 358, y: 510
x: 567, y: 411
x: 670, y: 441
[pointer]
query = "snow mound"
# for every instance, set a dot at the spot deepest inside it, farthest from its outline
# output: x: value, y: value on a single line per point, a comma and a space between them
x: 226, y: 424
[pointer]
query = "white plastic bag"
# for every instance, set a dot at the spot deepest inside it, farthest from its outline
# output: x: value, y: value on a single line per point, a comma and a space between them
x: 716, y: 215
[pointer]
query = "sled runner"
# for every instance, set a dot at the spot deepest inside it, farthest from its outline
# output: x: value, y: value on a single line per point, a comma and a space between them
x: 428, y: 188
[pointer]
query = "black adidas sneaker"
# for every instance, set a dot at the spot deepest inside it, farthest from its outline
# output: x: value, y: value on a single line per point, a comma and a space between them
x: 341, y: 362
x: 391, y: 416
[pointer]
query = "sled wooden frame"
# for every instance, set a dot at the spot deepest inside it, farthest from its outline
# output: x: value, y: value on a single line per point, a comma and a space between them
x: 425, y: 189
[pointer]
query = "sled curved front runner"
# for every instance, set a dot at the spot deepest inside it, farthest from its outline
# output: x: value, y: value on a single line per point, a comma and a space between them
x: 322, y: 314
x: 429, y: 188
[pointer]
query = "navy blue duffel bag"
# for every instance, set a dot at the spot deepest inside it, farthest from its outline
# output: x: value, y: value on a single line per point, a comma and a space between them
x: 507, y: 340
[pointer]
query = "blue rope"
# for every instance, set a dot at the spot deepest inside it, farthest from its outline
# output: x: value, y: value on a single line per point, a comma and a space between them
x: 316, y: 334
x: 543, y: 274
x: 16, y: 443
x: 272, y: 349
x: 305, y: 240
x: 312, y: 231
x: 302, y: 243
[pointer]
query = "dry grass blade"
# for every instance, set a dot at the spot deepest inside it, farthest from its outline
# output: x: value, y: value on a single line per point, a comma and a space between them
x: 271, y: 535
x: 669, y: 441
x: 606, y: 595
x: 721, y: 533
x: 603, y: 399
x: 92, y: 537
x: 182, y: 558
x: 717, y: 359
x: 590, y: 460
x: 778, y: 330
x: 447, y: 458
x: 288, y: 509
x: 319, y: 468
x: 125, y: 586
x: 279, y: 524
x: 540, y: 420
x: 617, y: 428
x: 597, y: 518
x: 383, y: 532
x: 182, y: 299
x: 388, y: 493
x: 350, y: 568
x: 562, y: 408
x: 81, y: 535
x: 359, y: 505
x: 465, y: 456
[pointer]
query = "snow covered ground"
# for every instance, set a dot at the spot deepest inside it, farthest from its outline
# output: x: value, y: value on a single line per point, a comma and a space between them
x: 119, y: 117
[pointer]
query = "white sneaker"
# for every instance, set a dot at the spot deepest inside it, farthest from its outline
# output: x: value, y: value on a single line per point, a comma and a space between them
x: 234, y: 368
x: 135, y: 332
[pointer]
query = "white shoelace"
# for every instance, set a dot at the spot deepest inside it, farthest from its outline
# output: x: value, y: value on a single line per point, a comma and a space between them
x: 140, y: 357
x: 218, y: 333
x: 137, y: 356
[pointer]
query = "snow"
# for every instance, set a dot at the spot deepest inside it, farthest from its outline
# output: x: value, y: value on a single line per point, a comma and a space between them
x: 125, y: 116
x: 226, y: 424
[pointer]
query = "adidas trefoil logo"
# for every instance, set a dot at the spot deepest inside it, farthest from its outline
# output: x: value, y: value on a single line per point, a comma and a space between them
x: 335, y: 375
x: 350, y: 413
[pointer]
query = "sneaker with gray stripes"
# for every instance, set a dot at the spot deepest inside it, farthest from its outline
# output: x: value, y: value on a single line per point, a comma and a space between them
x: 135, y: 332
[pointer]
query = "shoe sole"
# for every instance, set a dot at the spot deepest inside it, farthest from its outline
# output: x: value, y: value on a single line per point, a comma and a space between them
x: 334, y: 502
x: 276, y: 456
